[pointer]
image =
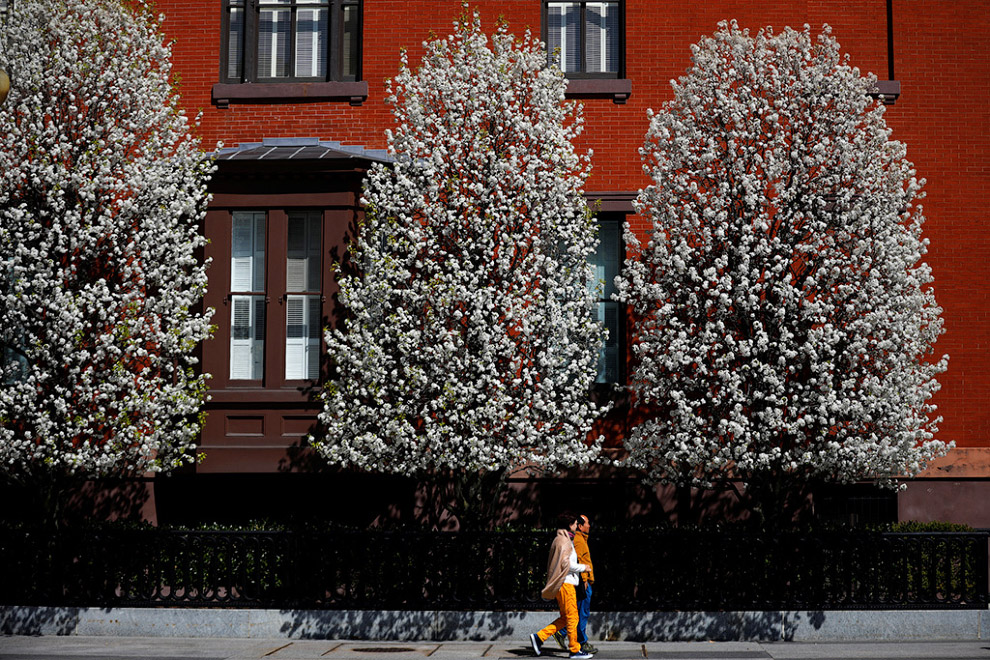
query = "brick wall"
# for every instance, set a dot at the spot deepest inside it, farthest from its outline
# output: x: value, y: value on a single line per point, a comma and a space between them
x: 940, y: 49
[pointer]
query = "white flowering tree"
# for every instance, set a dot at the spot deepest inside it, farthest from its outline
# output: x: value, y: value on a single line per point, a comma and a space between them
x: 101, y: 189
x: 471, y: 345
x: 784, y: 319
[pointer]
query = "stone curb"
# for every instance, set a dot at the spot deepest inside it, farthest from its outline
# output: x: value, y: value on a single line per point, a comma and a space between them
x: 799, y: 626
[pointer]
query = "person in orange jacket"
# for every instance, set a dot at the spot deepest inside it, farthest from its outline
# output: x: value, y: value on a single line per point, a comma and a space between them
x: 583, y: 594
x: 563, y: 575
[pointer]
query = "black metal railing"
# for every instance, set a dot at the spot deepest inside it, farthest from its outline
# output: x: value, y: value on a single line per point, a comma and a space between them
x: 413, y: 570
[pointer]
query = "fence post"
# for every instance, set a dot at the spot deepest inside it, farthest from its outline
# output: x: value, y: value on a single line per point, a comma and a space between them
x: 982, y: 564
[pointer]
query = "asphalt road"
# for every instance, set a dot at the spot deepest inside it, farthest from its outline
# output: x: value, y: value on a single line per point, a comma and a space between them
x: 168, y: 648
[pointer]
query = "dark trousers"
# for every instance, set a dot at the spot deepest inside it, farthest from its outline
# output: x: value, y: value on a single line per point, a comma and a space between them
x: 584, y: 609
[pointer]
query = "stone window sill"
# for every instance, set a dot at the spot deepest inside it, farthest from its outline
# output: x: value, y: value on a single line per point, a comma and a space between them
x: 618, y: 89
x: 887, y: 91
x: 224, y: 94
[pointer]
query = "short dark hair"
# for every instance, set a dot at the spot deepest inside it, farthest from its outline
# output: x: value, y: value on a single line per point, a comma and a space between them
x: 565, y: 519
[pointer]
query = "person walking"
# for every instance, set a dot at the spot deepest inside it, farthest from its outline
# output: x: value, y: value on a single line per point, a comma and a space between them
x: 563, y: 575
x: 584, y: 588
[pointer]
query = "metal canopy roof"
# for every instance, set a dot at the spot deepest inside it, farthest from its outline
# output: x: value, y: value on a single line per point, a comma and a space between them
x: 301, y: 149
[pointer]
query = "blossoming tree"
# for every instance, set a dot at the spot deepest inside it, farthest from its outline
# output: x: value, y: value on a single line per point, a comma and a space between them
x: 784, y: 319
x: 101, y: 188
x: 471, y: 345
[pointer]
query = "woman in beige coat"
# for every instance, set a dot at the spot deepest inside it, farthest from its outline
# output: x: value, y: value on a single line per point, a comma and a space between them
x: 563, y: 575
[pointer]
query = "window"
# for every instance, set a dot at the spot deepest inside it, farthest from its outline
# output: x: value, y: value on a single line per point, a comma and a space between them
x: 13, y: 361
x: 303, y: 299
x: 291, y: 40
x: 247, y: 296
x: 13, y: 365
x: 290, y: 245
x: 607, y: 260
x: 585, y: 38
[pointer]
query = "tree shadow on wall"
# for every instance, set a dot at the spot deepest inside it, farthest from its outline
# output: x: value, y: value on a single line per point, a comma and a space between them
x: 770, y: 626
x: 366, y: 625
x: 389, y: 501
x: 410, y: 626
x: 17, y: 620
x: 78, y: 501
x: 406, y: 626
x: 300, y: 457
x: 130, y: 500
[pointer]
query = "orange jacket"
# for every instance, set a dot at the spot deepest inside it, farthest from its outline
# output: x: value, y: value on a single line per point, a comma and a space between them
x: 584, y: 555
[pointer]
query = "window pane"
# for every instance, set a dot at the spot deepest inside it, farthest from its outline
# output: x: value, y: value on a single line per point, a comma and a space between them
x: 606, y: 262
x: 608, y: 358
x: 610, y: 30
x: 14, y: 366
x: 564, y: 35
x: 302, y: 264
x: 607, y: 259
x: 602, y: 54
x: 312, y: 30
x: 247, y: 337
x: 302, y: 337
x: 351, y: 37
x: 247, y: 252
x: 235, y: 43
x: 273, y: 43
x: 594, y: 53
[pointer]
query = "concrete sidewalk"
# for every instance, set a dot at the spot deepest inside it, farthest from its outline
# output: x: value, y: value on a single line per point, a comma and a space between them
x: 176, y: 648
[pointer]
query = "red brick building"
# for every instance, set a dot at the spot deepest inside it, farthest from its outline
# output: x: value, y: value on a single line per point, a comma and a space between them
x: 295, y: 91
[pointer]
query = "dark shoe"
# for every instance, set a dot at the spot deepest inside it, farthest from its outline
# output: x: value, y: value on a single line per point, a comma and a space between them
x: 588, y: 648
x: 561, y: 638
x: 537, y: 644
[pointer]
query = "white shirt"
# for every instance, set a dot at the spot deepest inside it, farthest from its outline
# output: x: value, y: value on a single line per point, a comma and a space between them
x: 575, y: 569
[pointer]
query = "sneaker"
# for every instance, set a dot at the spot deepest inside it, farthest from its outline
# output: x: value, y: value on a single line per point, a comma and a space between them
x: 588, y: 648
x: 581, y: 654
x: 561, y: 637
x: 537, y: 644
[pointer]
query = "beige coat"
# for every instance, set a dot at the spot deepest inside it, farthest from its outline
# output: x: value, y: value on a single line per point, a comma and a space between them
x: 559, y: 565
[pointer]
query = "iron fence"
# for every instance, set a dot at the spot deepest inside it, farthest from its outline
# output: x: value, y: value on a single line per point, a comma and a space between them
x: 412, y: 570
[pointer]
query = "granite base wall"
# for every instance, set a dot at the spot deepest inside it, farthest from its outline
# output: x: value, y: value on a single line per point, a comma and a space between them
x: 495, y: 626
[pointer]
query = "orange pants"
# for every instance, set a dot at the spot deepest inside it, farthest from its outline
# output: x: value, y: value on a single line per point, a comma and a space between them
x: 567, y: 602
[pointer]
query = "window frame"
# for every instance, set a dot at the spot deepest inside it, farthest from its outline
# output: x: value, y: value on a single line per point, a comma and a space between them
x: 249, y: 50
x: 583, y: 74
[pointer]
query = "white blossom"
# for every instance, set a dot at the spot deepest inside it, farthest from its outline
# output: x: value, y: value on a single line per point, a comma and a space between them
x: 102, y: 187
x: 471, y: 342
x: 784, y: 319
